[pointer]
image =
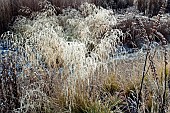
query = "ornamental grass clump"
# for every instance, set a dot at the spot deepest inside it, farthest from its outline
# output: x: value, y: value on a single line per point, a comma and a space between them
x: 60, y: 51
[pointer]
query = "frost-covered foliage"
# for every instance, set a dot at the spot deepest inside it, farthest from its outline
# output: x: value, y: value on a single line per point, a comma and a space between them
x: 67, y: 62
x: 65, y: 40
x: 72, y: 46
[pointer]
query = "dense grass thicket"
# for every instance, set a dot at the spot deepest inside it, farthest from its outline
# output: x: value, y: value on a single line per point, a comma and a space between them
x: 85, y: 60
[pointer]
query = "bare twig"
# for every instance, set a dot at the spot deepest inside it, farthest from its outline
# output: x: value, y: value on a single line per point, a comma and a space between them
x: 163, y: 108
x: 143, y: 76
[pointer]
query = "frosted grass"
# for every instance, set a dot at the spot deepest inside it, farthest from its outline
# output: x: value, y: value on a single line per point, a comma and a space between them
x: 67, y: 37
x: 79, y: 45
x: 74, y: 46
